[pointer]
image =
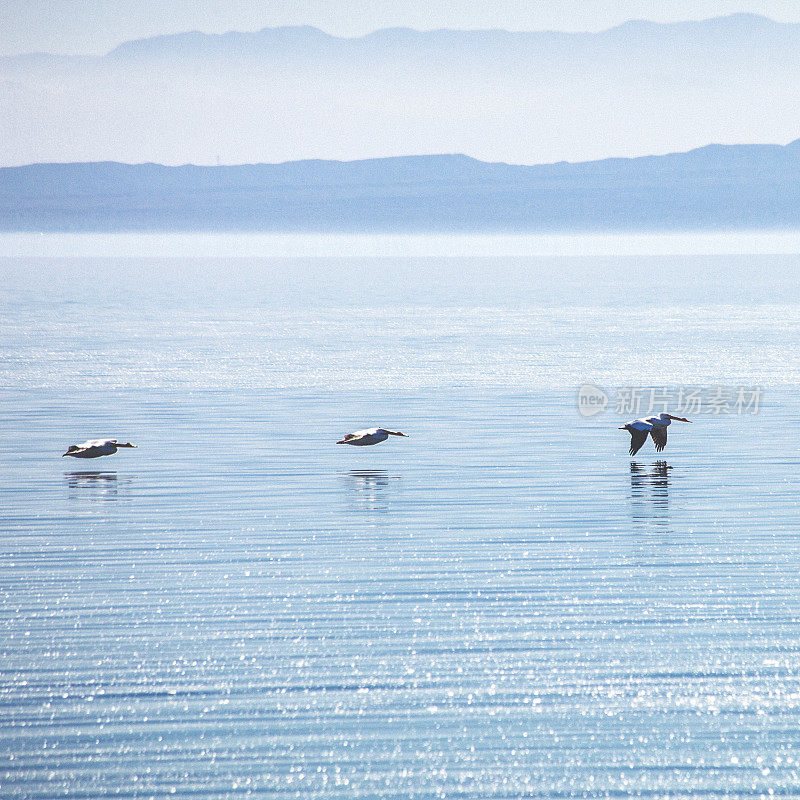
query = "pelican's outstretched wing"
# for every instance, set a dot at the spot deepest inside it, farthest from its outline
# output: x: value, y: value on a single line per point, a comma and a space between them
x: 659, y: 434
x: 638, y: 438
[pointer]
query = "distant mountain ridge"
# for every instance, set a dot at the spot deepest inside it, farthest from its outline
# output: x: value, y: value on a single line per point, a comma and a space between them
x: 238, y: 41
x: 710, y: 188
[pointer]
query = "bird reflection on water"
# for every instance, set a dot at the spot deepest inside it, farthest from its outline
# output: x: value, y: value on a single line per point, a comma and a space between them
x: 93, y: 484
x: 369, y: 488
x: 650, y: 492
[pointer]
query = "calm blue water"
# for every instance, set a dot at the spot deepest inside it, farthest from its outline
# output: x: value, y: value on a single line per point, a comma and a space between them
x: 502, y: 605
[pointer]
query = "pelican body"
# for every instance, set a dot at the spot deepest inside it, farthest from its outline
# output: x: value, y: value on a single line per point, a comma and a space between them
x: 94, y: 448
x: 657, y: 428
x: 368, y: 436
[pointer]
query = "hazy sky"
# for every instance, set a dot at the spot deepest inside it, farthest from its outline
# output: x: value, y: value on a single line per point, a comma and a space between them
x: 96, y: 26
x: 586, y: 105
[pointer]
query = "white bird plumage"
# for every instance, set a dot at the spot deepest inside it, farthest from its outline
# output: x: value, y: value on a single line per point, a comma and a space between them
x: 94, y: 448
x: 368, y: 436
x: 656, y: 426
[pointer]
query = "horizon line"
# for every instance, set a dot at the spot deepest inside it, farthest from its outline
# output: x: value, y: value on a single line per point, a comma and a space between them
x: 396, y: 158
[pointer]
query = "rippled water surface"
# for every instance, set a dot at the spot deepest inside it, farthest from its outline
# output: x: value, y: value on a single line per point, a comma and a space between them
x: 504, y: 604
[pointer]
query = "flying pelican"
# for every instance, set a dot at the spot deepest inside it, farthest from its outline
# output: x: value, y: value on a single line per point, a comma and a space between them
x: 655, y: 426
x: 94, y: 448
x: 368, y: 436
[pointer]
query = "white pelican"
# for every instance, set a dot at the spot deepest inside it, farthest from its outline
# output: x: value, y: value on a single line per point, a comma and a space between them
x: 368, y: 436
x: 94, y: 448
x: 655, y: 426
